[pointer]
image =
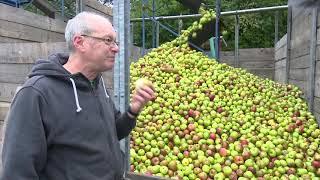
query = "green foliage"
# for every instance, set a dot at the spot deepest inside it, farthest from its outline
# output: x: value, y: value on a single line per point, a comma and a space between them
x: 163, y: 8
x: 256, y: 30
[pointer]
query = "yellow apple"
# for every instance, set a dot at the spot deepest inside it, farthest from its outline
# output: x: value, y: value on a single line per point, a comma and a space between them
x: 143, y: 82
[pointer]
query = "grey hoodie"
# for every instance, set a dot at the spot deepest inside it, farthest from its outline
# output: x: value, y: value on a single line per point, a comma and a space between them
x: 61, y: 128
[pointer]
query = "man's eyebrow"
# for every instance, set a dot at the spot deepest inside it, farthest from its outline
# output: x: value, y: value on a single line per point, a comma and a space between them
x: 109, y: 36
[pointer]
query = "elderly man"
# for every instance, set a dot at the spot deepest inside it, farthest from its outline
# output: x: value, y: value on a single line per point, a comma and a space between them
x: 62, y: 124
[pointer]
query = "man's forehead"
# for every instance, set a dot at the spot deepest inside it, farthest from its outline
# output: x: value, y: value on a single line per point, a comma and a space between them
x: 105, y: 30
x: 107, y: 33
x: 100, y: 22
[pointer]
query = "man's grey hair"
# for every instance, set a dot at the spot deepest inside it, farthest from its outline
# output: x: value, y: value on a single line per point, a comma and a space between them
x: 79, y: 25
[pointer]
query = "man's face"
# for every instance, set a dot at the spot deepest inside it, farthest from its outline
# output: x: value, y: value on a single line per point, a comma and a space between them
x: 102, y: 47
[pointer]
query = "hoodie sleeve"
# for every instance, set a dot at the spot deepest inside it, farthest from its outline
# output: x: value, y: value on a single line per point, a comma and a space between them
x: 24, y: 150
x: 124, y: 124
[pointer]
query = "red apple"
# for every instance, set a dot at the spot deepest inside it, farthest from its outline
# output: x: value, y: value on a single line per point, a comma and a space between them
x: 191, y: 127
x: 223, y: 152
x: 212, y: 136
x: 299, y: 122
x: 238, y: 160
x: 186, y: 153
x: 219, y: 110
x: 244, y: 142
x: 211, y: 97
x: 316, y: 164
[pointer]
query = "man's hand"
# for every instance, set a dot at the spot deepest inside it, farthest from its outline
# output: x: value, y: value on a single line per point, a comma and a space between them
x: 141, y: 97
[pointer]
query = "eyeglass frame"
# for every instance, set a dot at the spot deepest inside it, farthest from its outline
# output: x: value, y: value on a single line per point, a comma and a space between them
x: 108, y: 41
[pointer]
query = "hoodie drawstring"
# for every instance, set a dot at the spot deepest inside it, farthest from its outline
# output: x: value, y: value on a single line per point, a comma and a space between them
x: 75, y: 95
x: 104, y: 87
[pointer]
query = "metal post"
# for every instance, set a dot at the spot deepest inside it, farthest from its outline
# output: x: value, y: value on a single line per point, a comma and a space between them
x: 131, y: 34
x: 289, y: 31
x: 153, y: 24
x: 157, y: 37
x: 180, y: 26
x: 79, y: 6
x: 276, y: 28
x: 217, y: 46
x: 62, y: 9
x: 121, y: 19
x: 313, y: 58
x: 236, y: 42
x: 144, y: 2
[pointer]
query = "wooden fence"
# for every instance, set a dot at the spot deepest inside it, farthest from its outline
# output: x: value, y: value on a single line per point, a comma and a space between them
x: 18, y: 25
x: 94, y: 6
x: 300, y: 71
x: 258, y: 61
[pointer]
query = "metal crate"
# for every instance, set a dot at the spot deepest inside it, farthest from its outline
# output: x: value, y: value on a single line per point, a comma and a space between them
x: 136, y: 176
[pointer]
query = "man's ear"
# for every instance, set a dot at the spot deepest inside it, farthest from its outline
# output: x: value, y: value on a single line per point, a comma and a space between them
x: 78, y: 43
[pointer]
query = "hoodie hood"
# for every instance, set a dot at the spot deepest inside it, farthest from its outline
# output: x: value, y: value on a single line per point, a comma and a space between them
x: 53, y: 67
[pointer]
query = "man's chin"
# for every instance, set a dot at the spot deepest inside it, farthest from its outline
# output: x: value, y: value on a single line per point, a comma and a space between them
x: 108, y: 66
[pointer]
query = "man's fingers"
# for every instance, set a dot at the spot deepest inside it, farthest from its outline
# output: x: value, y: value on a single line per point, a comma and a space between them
x: 146, y: 92
x: 144, y: 95
x: 139, y: 98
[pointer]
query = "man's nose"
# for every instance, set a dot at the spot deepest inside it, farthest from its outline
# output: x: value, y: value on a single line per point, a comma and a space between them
x: 115, y: 48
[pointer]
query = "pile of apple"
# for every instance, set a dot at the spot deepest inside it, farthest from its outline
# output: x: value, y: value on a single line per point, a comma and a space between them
x: 213, y: 121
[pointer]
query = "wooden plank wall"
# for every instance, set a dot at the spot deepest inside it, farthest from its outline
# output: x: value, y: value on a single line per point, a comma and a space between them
x: 15, y: 68
x: 16, y: 60
x: 95, y: 6
x: 280, y: 60
x: 18, y: 25
x: 259, y: 61
x: 299, y: 73
x: 317, y: 78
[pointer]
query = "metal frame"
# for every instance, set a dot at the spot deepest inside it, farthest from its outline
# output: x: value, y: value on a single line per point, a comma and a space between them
x: 62, y: 8
x: 276, y: 27
x: 153, y: 24
x: 218, y: 14
x: 121, y: 17
x: 144, y: 2
x: 289, y: 32
x: 226, y: 13
x: 236, y: 41
x: 217, y: 35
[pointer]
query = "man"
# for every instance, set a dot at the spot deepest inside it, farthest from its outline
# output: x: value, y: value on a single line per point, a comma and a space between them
x: 62, y: 124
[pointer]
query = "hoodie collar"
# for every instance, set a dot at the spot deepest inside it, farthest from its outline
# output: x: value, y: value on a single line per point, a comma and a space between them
x: 53, y: 68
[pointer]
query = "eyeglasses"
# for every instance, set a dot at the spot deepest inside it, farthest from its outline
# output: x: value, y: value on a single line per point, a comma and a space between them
x: 108, y: 40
